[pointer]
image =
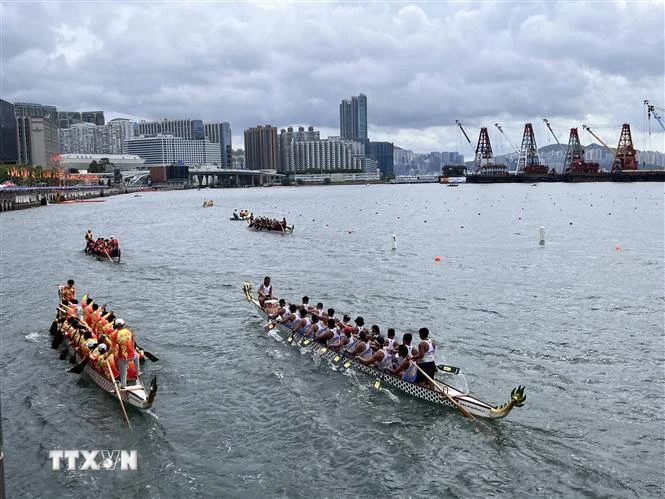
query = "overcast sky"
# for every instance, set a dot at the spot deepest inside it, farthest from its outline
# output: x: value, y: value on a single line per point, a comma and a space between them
x: 421, y: 65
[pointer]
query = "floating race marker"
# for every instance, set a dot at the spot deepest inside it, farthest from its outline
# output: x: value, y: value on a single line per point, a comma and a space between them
x: 437, y: 258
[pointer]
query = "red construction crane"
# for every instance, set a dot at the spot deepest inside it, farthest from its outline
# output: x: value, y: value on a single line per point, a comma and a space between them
x: 575, y: 162
x: 484, y: 156
x: 626, y: 156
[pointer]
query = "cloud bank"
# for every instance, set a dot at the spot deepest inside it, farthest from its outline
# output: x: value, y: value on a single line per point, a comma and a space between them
x: 422, y: 66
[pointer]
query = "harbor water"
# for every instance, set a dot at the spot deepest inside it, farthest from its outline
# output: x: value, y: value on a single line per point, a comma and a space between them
x: 578, y: 320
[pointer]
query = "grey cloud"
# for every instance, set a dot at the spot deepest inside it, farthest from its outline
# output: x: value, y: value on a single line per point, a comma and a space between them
x: 421, y: 66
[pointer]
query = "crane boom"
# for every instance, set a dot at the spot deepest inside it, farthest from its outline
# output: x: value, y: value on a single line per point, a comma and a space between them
x: 653, y: 110
x: 507, y: 138
x: 547, y: 123
x: 609, y: 149
x: 465, y: 135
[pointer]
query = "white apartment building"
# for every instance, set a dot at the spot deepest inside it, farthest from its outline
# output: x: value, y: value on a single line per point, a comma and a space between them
x: 166, y: 149
x: 304, y: 152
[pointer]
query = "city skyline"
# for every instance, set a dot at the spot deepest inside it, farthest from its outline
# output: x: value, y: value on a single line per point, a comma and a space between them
x: 421, y: 66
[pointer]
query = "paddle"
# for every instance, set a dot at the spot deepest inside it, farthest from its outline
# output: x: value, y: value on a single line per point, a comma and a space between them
x: 107, y: 256
x: 54, y: 328
x: 448, y: 369
x: 438, y: 388
x: 117, y: 392
x: 78, y: 369
x: 149, y: 356
x: 64, y: 353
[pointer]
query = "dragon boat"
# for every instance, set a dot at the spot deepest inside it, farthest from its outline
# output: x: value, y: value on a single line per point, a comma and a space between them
x: 101, y: 251
x: 135, y: 394
x: 449, y: 396
x: 270, y: 228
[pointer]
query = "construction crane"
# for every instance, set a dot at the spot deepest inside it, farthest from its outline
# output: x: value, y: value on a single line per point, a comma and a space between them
x: 653, y: 110
x: 507, y: 138
x: 609, y: 149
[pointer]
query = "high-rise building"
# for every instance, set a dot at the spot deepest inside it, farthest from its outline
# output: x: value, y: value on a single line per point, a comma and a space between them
x: 80, y: 138
x: 119, y: 130
x: 166, y: 149
x: 383, y: 153
x: 220, y: 133
x: 37, y: 141
x: 261, y: 149
x: 69, y: 118
x: 8, y: 137
x: 95, y: 117
x: 183, y: 128
x: 353, y: 118
x: 286, y: 139
x: 30, y: 110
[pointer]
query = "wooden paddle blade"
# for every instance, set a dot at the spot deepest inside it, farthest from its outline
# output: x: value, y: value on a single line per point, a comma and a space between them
x: 150, y: 356
x: 54, y: 328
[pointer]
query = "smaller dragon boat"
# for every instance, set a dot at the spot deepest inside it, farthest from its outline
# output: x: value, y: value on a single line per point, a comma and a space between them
x: 207, y: 203
x: 467, y: 403
x: 103, y: 249
x: 71, y: 328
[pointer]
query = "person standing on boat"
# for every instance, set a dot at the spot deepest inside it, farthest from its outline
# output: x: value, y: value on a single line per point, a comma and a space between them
x: 67, y: 291
x: 235, y: 215
x: 425, y: 357
x: 125, y: 352
x: 88, y: 236
x: 265, y: 291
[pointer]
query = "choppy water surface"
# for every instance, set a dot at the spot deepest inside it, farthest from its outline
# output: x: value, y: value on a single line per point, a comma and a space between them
x: 579, y: 321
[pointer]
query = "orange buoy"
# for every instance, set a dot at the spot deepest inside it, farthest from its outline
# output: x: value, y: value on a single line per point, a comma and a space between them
x: 437, y: 258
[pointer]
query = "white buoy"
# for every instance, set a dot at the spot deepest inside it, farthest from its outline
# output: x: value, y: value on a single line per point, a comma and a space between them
x: 542, y: 235
x: 394, y: 242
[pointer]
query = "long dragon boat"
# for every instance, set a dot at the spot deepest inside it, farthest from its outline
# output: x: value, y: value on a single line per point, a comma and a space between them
x: 135, y: 394
x: 451, y: 397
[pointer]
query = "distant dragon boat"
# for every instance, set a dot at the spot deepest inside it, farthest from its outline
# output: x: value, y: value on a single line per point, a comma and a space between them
x: 449, y: 396
x: 101, y: 250
x: 136, y: 394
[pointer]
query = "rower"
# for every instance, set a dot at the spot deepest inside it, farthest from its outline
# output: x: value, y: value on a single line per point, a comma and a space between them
x: 425, y: 357
x: 313, y: 328
x: 67, y: 291
x: 406, y: 369
x: 305, y: 303
x: 381, y: 358
x: 361, y: 348
x: 302, y: 322
x: 319, y: 310
x: 391, y: 341
x: 289, y: 319
x: 265, y: 291
x: 406, y: 341
x: 341, y: 342
x: 329, y: 334
x: 235, y: 215
x: 281, y: 312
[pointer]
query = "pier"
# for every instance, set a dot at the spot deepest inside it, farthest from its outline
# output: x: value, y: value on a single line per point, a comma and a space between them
x: 16, y: 198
